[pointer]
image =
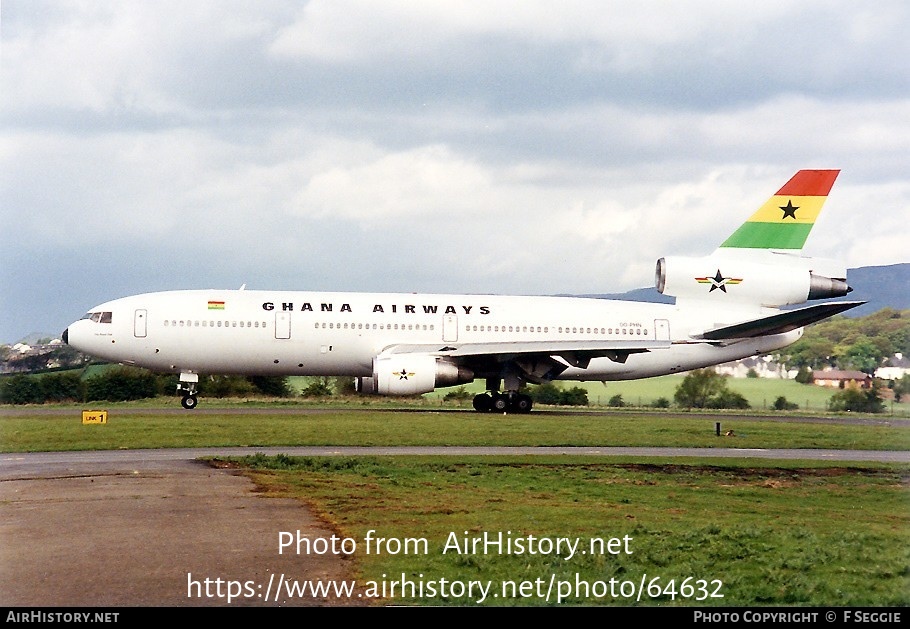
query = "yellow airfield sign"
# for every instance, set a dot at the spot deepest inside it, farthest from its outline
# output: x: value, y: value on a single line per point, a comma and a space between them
x: 94, y: 417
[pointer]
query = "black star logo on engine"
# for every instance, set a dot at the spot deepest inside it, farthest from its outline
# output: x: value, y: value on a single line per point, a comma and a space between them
x: 789, y: 210
x: 403, y: 375
x: 718, y: 281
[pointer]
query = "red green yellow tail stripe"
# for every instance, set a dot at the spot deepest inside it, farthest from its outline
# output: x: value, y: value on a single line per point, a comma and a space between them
x: 785, y: 220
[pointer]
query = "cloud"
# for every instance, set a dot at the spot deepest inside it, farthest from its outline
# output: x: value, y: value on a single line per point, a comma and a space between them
x: 396, y: 186
x: 513, y: 147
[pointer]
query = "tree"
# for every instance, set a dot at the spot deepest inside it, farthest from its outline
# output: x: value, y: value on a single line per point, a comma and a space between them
x: 783, y: 404
x: 812, y: 353
x: 857, y: 400
x: 863, y: 355
x: 901, y: 387
x: 226, y: 386
x: 344, y: 386
x: 705, y: 388
x: 458, y: 394
x: 318, y: 388
x: 576, y: 396
x: 21, y: 389
x: 804, y: 375
x: 547, y: 393
x: 60, y: 387
x: 271, y: 385
x: 698, y: 388
x: 122, y: 384
x: 728, y: 399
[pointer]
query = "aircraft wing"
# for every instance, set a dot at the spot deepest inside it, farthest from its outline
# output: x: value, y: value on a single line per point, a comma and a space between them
x: 779, y: 323
x: 538, y: 360
x: 595, y: 347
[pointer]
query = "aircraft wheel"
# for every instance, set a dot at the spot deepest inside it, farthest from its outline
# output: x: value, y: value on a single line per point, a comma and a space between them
x: 483, y: 403
x: 189, y: 402
x: 523, y: 404
x: 500, y: 403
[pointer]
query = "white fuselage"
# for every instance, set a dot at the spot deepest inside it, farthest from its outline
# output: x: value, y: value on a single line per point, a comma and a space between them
x: 340, y: 334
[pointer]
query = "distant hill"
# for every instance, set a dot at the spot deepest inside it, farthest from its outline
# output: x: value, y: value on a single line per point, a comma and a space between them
x: 880, y: 286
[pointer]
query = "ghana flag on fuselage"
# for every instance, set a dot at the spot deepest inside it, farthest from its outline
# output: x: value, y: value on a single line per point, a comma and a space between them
x: 785, y: 220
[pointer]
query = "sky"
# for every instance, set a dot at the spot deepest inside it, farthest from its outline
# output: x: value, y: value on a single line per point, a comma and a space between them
x: 511, y: 147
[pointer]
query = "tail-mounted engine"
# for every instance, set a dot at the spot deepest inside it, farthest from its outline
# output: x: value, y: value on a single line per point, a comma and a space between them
x: 774, y: 280
x: 412, y: 374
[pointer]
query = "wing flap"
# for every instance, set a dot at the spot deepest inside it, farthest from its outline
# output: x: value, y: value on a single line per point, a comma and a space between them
x: 779, y: 323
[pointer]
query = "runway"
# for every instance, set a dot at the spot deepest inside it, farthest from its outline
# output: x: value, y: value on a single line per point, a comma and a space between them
x: 42, y: 464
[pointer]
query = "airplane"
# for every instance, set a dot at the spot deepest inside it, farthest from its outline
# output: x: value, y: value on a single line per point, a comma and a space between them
x: 728, y: 306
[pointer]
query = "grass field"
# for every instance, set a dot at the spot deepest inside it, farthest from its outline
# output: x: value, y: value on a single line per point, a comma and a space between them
x: 739, y: 534
x: 760, y: 392
x: 165, y: 425
x: 705, y: 532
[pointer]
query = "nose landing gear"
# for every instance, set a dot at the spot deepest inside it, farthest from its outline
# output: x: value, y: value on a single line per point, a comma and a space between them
x: 187, y: 387
x: 189, y: 402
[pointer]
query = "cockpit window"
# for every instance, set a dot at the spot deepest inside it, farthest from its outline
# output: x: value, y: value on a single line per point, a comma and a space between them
x: 99, y: 317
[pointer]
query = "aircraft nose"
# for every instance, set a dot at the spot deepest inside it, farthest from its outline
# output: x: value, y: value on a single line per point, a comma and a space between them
x: 66, y: 336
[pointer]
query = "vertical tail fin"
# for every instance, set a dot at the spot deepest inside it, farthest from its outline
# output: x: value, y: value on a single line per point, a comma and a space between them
x: 785, y: 220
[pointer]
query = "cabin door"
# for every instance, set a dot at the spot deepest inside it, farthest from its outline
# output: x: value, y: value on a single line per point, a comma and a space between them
x: 283, y: 325
x: 661, y: 330
x: 450, y: 328
x: 140, y: 324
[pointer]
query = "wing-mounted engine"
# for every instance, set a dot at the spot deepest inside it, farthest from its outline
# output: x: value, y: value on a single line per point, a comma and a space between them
x: 412, y: 374
x: 771, y: 280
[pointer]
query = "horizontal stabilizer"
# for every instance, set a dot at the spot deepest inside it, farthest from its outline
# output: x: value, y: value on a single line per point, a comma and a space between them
x: 779, y: 323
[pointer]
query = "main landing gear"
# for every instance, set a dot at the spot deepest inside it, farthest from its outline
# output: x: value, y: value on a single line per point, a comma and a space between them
x: 187, y: 387
x: 508, y: 402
